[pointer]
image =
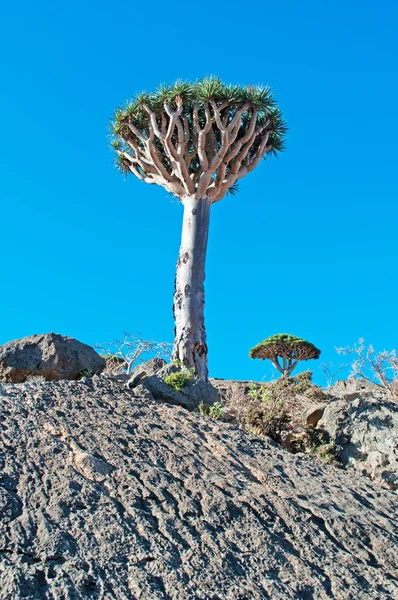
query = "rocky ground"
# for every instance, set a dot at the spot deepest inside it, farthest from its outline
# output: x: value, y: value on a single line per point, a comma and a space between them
x: 106, y: 495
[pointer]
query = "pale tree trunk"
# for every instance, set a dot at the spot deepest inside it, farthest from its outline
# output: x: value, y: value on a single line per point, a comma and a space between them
x: 288, y: 366
x: 189, y: 299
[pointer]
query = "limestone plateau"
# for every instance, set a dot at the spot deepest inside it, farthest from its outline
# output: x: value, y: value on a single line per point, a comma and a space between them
x: 106, y: 495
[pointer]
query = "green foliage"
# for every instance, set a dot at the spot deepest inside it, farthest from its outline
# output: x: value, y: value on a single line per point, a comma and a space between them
x: 180, y: 379
x: 315, y: 442
x: 281, y: 342
x: 203, y: 408
x: 85, y: 373
x: 234, y: 189
x: 215, y: 411
x: 131, y: 121
x: 268, y: 414
x: 284, y: 351
x: 178, y: 363
x: 288, y: 388
x: 258, y: 392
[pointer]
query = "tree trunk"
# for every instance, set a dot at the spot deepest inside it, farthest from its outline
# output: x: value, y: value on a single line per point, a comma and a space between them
x: 189, y: 299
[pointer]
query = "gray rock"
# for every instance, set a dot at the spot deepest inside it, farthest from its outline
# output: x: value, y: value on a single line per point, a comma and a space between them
x: 142, y: 392
x: 50, y: 355
x: 366, y: 432
x: 150, y: 366
x: 136, y: 378
x: 167, y: 369
x: 165, y: 393
x: 103, y: 497
x: 200, y: 391
x: 353, y: 388
x: 121, y: 378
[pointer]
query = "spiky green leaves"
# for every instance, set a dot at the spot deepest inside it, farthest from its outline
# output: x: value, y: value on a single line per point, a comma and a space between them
x: 209, y: 88
x: 197, y: 137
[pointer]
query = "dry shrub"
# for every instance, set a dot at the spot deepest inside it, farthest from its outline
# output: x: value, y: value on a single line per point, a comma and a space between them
x: 315, y: 442
x: 114, y: 364
x: 379, y: 368
x: 234, y: 398
x: 298, y: 395
x: 268, y: 417
x: 272, y: 408
x: 123, y: 355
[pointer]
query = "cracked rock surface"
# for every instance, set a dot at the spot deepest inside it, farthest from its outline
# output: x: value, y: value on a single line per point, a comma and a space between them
x: 364, y: 424
x: 105, y: 495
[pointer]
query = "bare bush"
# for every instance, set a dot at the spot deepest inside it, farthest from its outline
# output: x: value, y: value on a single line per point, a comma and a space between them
x: 330, y: 370
x: 379, y: 368
x: 122, y: 355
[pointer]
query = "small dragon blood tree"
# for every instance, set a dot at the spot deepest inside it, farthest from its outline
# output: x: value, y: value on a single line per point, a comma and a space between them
x: 284, y: 351
x: 196, y: 140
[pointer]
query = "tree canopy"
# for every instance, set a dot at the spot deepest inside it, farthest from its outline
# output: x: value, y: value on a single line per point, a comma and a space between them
x: 197, y: 138
x: 289, y: 348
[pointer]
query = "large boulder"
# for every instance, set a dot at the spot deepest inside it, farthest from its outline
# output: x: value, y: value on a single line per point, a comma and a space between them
x: 48, y: 355
x: 365, y: 430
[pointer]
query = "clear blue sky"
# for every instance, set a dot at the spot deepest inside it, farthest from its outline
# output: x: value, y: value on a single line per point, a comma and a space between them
x: 308, y: 246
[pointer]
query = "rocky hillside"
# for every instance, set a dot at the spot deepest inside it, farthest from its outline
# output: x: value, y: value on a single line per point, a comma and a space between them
x: 107, y: 495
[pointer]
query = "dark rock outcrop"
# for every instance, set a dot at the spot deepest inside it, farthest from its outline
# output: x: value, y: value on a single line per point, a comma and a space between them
x: 49, y: 355
x: 104, y: 495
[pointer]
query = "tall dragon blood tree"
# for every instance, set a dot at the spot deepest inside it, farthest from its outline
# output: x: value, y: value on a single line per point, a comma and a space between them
x: 197, y: 140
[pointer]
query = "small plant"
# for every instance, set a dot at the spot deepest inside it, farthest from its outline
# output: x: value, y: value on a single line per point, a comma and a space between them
x: 215, y: 411
x: 315, y: 442
x: 180, y: 379
x: 85, y: 373
x: 203, y: 409
x: 257, y: 392
x: 178, y: 363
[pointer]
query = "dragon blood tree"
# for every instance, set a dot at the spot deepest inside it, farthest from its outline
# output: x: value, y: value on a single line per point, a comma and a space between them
x: 197, y: 140
x: 284, y: 351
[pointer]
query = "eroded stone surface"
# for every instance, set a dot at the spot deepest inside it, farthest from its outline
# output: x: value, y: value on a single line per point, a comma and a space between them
x: 48, y: 355
x: 105, y: 495
x: 365, y: 429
